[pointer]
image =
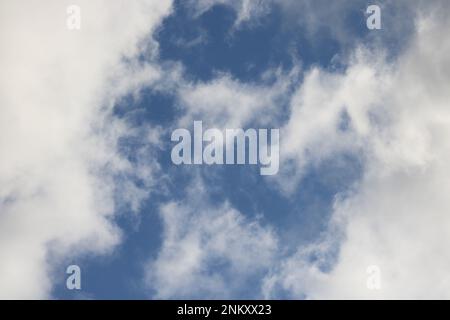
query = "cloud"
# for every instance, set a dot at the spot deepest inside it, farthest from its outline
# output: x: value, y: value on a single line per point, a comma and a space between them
x: 389, y: 111
x: 61, y: 167
x: 342, y: 22
x: 246, y: 10
x: 397, y: 216
x: 208, y: 250
x: 332, y: 113
x: 58, y: 138
x: 225, y: 102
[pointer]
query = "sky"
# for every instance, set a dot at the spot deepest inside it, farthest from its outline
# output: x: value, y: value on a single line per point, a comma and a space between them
x: 358, y: 209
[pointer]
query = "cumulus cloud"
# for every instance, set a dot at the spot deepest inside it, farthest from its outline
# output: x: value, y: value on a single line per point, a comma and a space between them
x: 396, y: 218
x: 57, y: 136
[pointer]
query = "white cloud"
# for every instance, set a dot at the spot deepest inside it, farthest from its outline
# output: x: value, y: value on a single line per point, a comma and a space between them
x: 397, y: 216
x: 57, y: 137
x: 225, y: 102
x: 58, y: 143
x: 246, y: 10
x: 208, y: 250
x: 316, y: 129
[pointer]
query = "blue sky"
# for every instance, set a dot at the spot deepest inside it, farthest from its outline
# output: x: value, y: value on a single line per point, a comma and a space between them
x: 361, y: 115
x: 245, y: 53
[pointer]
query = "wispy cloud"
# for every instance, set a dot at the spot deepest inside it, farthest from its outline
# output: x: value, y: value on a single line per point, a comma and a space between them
x: 209, y: 250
